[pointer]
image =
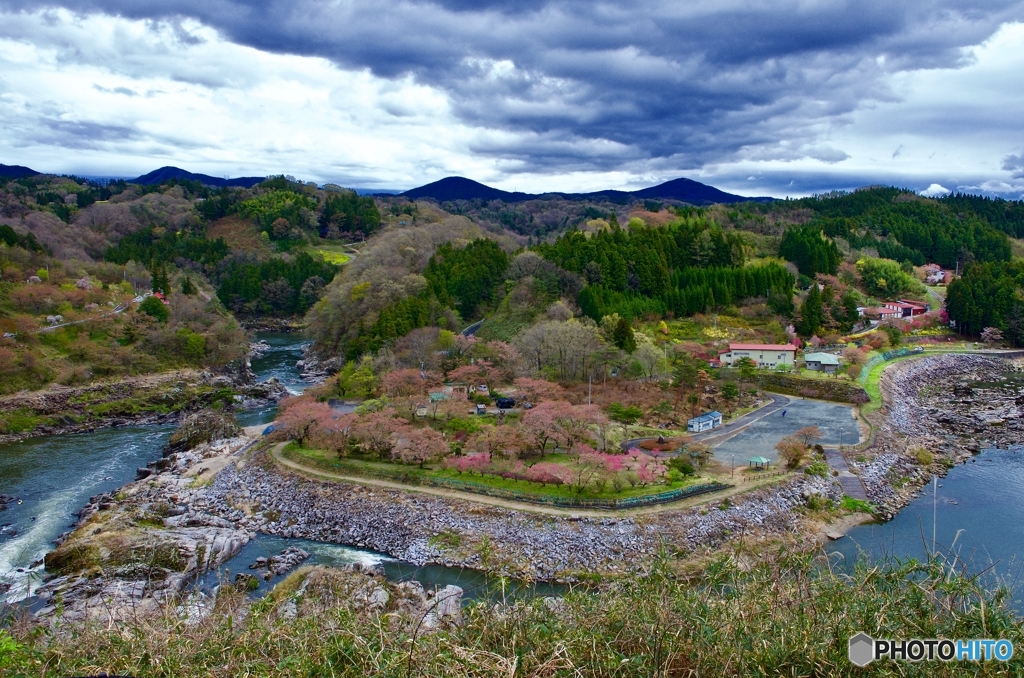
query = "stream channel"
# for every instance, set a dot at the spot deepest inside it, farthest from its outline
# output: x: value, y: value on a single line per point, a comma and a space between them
x: 54, y: 476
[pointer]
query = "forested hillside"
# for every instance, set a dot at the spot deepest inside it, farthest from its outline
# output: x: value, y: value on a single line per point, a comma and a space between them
x: 417, y: 266
x: 670, y: 261
x: 75, y: 255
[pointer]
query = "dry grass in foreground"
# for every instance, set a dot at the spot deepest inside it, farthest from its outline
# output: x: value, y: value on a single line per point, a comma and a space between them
x: 776, y: 614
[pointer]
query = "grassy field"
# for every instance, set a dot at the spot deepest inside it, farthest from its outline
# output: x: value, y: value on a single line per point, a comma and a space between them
x: 332, y: 254
x: 327, y: 461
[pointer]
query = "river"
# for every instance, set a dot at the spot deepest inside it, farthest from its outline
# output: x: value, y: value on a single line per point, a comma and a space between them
x: 979, y: 523
x: 54, y: 476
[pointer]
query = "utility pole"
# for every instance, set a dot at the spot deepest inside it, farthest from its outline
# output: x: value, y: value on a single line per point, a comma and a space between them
x: 590, y: 388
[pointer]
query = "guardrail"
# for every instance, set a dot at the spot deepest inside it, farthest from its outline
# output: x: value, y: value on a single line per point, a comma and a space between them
x: 531, y: 498
x: 883, y: 358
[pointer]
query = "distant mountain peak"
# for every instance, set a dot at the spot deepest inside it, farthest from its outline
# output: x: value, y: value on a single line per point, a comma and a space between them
x: 166, y: 173
x: 17, y: 171
x: 682, y: 189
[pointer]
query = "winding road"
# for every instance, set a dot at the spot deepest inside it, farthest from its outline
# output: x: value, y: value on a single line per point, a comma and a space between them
x: 728, y: 430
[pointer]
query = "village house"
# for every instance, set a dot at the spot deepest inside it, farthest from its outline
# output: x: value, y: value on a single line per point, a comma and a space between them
x: 934, y: 275
x: 763, y: 355
x: 822, y: 362
x: 876, y: 314
x: 907, y: 309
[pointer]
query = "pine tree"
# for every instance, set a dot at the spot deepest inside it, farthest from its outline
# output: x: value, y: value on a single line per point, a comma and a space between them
x: 811, y: 313
x: 188, y: 287
x: 623, y: 336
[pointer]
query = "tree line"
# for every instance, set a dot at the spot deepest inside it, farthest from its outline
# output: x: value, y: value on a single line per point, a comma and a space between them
x: 640, y: 258
x: 244, y: 283
x: 905, y: 227
x: 811, y: 250
x: 989, y: 295
x: 694, y: 290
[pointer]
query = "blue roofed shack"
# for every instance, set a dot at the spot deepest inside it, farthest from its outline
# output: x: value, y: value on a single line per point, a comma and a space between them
x: 704, y: 422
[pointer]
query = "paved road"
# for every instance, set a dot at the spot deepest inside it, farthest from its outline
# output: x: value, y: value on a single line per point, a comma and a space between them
x: 733, y: 427
x: 471, y: 330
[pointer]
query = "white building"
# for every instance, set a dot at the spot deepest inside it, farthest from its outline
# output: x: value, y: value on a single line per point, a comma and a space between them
x: 763, y: 355
x: 705, y: 422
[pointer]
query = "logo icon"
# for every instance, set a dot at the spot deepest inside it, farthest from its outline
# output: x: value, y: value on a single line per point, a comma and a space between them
x: 862, y: 649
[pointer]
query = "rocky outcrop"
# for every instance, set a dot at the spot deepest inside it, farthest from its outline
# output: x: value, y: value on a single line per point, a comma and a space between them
x: 134, y: 550
x: 365, y: 591
x: 277, y: 565
x: 133, y: 401
x: 315, y: 368
x: 204, y: 426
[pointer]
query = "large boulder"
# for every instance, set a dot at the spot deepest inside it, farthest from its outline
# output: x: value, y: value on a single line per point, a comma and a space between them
x: 201, y: 427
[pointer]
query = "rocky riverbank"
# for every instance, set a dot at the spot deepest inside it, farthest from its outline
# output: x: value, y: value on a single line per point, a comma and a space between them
x: 314, y: 368
x: 197, y: 507
x: 940, y: 411
x: 425, y: 529
x: 132, y: 401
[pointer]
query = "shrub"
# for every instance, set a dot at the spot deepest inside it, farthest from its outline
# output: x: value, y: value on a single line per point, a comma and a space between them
x: 625, y: 415
x: 923, y: 456
x: 682, y: 466
x: 818, y: 467
x: 155, y: 308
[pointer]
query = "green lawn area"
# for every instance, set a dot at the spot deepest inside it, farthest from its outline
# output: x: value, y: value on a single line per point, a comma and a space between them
x: 332, y: 254
x: 872, y: 386
x: 327, y: 461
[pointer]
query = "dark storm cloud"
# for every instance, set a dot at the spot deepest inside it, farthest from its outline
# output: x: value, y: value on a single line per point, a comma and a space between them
x: 79, y: 135
x: 1015, y: 164
x: 594, y: 84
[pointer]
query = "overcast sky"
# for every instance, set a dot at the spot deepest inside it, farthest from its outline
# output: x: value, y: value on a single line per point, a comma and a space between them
x: 769, y: 97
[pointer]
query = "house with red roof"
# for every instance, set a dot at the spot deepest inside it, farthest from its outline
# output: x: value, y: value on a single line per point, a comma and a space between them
x: 876, y: 314
x: 907, y: 309
x: 763, y: 355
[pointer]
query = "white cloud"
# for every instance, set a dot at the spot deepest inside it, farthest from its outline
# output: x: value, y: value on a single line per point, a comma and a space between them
x: 935, y: 190
x: 212, y: 106
x: 95, y: 94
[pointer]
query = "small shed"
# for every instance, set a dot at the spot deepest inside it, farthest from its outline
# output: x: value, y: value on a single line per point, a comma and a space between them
x: 822, y: 362
x: 704, y: 422
x: 758, y: 463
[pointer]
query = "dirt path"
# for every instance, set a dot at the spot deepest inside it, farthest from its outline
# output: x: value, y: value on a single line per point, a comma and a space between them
x: 275, y: 454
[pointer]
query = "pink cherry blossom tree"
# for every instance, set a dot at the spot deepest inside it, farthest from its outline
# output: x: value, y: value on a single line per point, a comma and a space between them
x: 547, y: 473
x: 478, y: 463
x: 538, y: 390
x: 373, y: 432
x: 506, y: 441
x: 419, y: 446
x: 301, y: 417
x: 409, y: 382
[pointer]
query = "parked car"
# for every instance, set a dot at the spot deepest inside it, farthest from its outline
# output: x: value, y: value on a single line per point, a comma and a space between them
x: 527, y: 406
x: 505, y: 403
